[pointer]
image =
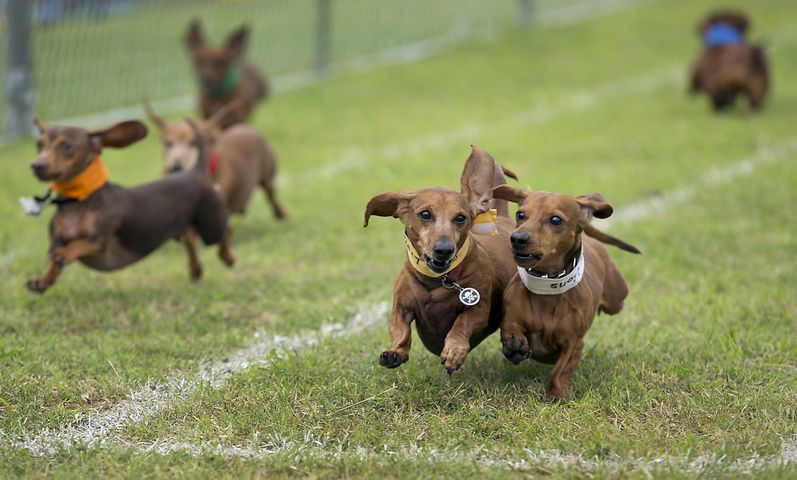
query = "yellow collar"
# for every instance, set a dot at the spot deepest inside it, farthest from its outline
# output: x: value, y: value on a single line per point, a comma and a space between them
x: 82, y: 185
x: 420, y: 265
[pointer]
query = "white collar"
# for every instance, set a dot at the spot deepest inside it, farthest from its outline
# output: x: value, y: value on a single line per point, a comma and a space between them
x: 543, y: 285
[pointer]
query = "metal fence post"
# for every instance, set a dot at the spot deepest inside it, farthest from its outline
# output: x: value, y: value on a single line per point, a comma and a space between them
x: 324, y: 36
x: 525, y: 12
x: 19, y: 75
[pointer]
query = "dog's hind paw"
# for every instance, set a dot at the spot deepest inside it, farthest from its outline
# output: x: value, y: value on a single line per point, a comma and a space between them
x: 516, y: 350
x: 392, y: 359
x: 37, y: 285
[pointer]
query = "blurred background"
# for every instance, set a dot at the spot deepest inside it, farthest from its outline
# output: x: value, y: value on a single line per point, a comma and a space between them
x: 62, y: 53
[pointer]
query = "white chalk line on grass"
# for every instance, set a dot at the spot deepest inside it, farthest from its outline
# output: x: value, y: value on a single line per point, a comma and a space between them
x: 98, y: 429
x: 313, y: 449
x: 401, y: 54
x: 764, y: 154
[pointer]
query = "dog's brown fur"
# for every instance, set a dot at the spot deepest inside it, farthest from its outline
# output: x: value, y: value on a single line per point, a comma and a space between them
x: 724, y: 72
x: 116, y: 226
x: 446, y: 327
x: 551, y: 328
x: 212, y: 65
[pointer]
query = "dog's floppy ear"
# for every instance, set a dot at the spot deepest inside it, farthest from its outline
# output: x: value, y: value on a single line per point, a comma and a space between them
x: 40, y: 125
x: 594, y: 204
x: 509, y: 193
x: 194, y: 38
x: 156, y: 119
x: 120, y: 135
x: 236, y: 42
x: 388, y: 204
x: 476, y: 182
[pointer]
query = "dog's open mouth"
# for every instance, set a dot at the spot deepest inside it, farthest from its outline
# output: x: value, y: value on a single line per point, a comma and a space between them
x: 527, y: 260
x: 435, y: 265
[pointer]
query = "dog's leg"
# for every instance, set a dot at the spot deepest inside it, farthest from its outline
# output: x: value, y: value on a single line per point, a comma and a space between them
x: 457, y: 344
x: 58, y: 258
x: 564, y: 368
x: 225, y: 250
x: 400, y: 336
x: 271, y: 194
x: 194, y: 266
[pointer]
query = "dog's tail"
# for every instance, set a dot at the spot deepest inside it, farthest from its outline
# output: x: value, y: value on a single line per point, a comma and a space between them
x: 608, y: 239
x: 509, y: 173
x: 201, y: 165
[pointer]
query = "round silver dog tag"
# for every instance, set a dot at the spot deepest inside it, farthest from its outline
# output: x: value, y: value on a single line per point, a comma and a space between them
x: 469, y: 296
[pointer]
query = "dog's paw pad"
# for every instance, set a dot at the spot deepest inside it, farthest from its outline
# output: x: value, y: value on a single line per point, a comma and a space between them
x: 392, y: 359
x: 516, y: 350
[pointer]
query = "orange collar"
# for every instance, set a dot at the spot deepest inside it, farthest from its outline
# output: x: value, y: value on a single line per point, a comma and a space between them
x: 82, y: 185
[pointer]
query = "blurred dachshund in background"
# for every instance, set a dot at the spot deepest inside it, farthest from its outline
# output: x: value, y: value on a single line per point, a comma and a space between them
x: 106, y: 226
x: 728, y: 65
x: 224, y: 76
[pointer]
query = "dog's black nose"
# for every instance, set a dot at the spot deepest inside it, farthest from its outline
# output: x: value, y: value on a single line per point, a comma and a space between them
x: 443, y: 249
x: 174, y: 168
x: 519, y: 240
x: 38, y: 168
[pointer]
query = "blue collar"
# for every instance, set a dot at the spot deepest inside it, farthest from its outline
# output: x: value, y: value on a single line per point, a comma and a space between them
x: 719, y: 34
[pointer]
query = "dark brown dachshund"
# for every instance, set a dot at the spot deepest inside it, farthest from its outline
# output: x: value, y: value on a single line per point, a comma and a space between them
x: 563, y: 280
x: 224, y: 76
x: 452, y: 282
x: 728, y: 65
x: 106, y: 226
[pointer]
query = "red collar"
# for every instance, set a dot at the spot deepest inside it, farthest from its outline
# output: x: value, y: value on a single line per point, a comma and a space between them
x: 213, y: 162
x: 453, y: 275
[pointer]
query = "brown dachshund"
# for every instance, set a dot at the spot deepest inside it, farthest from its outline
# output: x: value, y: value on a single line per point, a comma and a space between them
x: 563, y: 280
x: 452, y: 282
x: 106, y: 226
x: 240, y: 160
x: 728, y: 65
x: 224, y: 76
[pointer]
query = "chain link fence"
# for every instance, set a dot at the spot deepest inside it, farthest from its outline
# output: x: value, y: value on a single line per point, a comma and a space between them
x: 93, y: 56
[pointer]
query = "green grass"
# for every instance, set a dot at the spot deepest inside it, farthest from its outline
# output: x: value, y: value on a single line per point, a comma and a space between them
x: 703, y: 360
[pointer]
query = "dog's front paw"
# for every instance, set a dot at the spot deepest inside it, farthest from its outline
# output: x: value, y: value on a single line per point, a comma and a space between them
x: 195, y: 273
x: 392, y: 359
x: 453, y: 355
x: 37, y: 285
x: 516, y: 350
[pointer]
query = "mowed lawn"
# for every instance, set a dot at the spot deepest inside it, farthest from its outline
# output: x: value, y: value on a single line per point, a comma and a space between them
x: 701, y: 364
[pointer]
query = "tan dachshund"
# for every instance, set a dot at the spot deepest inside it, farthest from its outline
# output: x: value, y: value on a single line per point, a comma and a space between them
x: 452, y: 282
x: 224, y: 76
x: 240, y: 160
x: 563, y: 280
x: 106, y: 226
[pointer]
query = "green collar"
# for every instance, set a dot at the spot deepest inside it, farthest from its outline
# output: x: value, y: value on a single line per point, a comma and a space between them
x: 229, y: 83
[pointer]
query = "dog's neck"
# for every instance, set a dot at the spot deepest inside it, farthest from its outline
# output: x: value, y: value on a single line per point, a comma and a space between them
x: 720, y: 34
x: 228, y: 83
x: 82, y: 185
x: 556, y: 280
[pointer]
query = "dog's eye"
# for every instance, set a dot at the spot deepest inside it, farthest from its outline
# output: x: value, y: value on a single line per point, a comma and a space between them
x: 425, y: 215
x: 460, y: 219
x: 556, y: 221
x: 168, y: 144
x: 520, y: 215
x: 66, y: 147
x: 39, y: 145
